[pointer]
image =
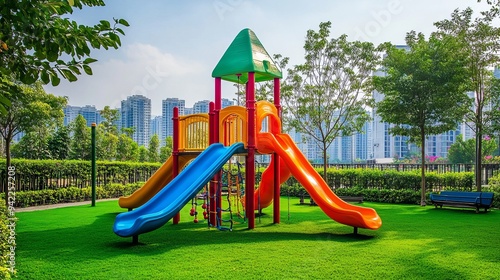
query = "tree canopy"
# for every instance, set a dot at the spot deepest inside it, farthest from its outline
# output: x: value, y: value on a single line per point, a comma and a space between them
x: 465, y: 151
x: 37, y: 41
x: 326, y: 96
x: 479, y: 46
x: 424, y: 90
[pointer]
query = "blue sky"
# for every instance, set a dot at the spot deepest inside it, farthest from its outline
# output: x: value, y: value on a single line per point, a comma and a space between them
x: 172, y: 46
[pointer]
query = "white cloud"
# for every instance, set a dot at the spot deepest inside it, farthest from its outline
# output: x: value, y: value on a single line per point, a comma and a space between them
x: 144, y: 69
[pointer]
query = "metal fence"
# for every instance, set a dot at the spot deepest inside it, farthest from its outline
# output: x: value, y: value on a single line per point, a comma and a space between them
x: 488, y: 170
x: 60, y: 179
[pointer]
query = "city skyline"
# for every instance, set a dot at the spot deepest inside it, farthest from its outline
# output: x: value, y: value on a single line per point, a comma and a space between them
x: 364, y: 145
x: 173, y: 46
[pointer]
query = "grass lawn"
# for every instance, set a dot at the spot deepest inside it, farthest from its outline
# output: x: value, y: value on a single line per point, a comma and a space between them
x: 413, y: 243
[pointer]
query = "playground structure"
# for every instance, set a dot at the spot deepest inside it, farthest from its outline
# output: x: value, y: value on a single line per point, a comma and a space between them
x: 210, y: 140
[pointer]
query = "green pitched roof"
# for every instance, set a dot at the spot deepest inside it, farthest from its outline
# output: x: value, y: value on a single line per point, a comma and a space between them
x: 246, y: 54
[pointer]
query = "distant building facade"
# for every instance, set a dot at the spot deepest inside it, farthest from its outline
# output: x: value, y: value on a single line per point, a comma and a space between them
x: 136, y: 113
x: 167, y: 108
x: 89, y: 112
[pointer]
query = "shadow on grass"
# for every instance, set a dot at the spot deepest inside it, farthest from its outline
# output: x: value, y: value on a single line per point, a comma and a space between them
x: 97, y: 240
x: 435, y: 232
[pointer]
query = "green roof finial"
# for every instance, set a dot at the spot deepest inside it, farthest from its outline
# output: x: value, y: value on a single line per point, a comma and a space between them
x: 246, y: 54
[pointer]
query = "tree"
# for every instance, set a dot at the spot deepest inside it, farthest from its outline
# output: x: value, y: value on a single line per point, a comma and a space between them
x: 465, y: 151
x: 38, y: 42
x: 153, y: 149
x: 110, y: 117
x: 127, y: 149
x: 106, y: 143
x: 80, y: 141
x: 31, y: 108
x: 33, y: 145
x: 324, y: 97
x: 494, y: 10
x: 59, y: 143
x: 128, y: 131
x: 423, y: 89
x: 480, y: 45
x: 143, y: 154
x: 166, y: 151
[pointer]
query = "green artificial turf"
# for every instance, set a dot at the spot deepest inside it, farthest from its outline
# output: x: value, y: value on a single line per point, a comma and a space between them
x: 413, y: 243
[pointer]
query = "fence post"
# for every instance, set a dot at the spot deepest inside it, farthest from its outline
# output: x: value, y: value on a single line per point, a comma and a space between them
x: 93, y: 172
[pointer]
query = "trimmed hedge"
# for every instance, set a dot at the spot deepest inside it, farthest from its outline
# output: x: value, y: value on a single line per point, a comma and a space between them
x: 4, y: 243
x: 72, y: 194
x: 494, y: 186
x: 51, y: 186
x: 387, y: 186
x: 51, y: 174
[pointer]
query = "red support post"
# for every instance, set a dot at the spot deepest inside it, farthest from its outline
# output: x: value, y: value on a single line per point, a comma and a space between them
x: 211, y: 130
x: 276, y: 159
x: 217, y: 107
x: 250, y: 160
x: 175, y: 154
x: 277, y: 91
x: 211, y: 189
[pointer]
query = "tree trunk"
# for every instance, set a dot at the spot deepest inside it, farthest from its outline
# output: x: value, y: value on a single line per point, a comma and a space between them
x: 422, y: 195
x: 7, y: 164
x: 479, y: 159
x: 325, y: 163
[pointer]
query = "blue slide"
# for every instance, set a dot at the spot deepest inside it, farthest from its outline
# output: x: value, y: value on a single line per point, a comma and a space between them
x: 170, y: 200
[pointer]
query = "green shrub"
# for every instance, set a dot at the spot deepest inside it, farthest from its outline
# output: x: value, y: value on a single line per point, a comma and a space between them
x: 72, y: 194
x: 5, y: 247
x: 494, y: 187
x: 390, y: 186
x: 52, y: 174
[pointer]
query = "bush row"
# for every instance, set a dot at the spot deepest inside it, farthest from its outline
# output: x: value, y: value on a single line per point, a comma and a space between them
x: 72, y: 194
x: 4, y: 243
x: 400, y: 196
x: 52, y: 174
x: 390, y: 186
x: 395, y: 180
x: 494, y: 186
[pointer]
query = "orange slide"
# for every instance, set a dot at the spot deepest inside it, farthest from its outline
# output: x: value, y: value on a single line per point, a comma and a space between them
x: 154, y: 184
x: 323, y: 196
x: 264, y: 195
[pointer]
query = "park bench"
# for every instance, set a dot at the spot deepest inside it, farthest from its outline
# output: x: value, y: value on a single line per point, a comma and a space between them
x: 358, y: 199
x: 463, y: 199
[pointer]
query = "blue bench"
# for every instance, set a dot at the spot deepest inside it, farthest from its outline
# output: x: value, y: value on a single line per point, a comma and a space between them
x: 463, y: 199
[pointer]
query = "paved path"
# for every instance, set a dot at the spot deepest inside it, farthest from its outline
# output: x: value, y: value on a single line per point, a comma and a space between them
x: 59, y: 205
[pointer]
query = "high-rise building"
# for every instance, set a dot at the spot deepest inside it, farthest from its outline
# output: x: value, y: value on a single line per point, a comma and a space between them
x: 167, y: 108
x: 70, y: 113
x: 188, y: 111
x: 156, y: 123
x: 89, y: 112
x: 118, y: 121
x: 361, y: 142
x: 226, y: 102
x: 136, y: 113
x: 438, y: 145
x: 201, y: 106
